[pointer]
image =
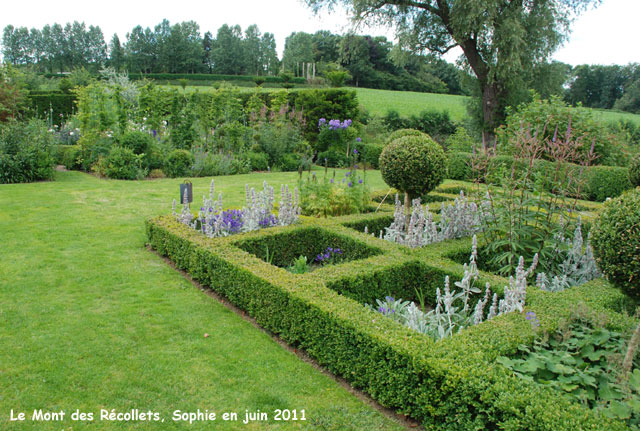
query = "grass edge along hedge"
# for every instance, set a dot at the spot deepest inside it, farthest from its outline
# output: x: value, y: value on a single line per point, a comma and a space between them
x: 452, y: 384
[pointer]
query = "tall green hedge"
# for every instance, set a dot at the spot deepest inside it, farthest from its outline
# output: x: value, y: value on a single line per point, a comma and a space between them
x: 56, y: 105
x: 453, y: 384
x: 600, y: 182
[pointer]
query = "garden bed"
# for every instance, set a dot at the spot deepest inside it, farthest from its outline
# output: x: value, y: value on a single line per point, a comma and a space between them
x: 451, y: 384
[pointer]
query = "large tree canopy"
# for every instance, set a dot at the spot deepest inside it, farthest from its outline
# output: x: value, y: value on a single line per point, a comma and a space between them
x: 502, y: 40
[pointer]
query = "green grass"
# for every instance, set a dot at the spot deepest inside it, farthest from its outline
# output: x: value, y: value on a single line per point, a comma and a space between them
x: 378, y: 102
x: 90, y: 319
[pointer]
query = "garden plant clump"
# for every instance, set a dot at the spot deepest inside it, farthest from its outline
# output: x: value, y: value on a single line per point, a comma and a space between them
x: 335, y: 196
x: 453, y: 309
x: 457, y: 220
x: 581, y: 361
x: 213, y: 221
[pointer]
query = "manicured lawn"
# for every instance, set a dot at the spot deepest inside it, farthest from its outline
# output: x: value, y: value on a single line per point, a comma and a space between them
x: 90, y: 319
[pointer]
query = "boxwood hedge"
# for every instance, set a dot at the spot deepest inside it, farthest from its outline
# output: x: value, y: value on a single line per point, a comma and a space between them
x: 453, y: 384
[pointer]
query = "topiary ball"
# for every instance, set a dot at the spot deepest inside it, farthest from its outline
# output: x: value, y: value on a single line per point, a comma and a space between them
x: 615, y: 238
x: 413, y: 164
x: 634, y: 171
x: 401, y: 133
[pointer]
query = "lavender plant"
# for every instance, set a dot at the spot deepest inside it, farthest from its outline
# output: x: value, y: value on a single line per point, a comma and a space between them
x: 460, y: 219
x: 328, y: 256
x: 452, y: 312
x: 213, y: 221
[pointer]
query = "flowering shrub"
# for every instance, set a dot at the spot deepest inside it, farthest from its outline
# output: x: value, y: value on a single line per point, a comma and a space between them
x: 337, y: 135
x: 213, y: 221
x: 453, y: 311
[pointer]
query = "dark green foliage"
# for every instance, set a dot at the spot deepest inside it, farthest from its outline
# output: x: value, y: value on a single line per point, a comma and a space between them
x: 606, y: 182
x: 178, y: 163
x: 413, y: 164
x: 72, y: 158
x: 330, y: 104
x: 141, y: 143
x: 459, y: 166
x: 615, y: 238
x: 289, y: 162
x: 370, y: 154
x: 333, y: 158
x: 123, y: 164
x: 634, y: 171
x: 437, y: 124
x: 210, y: 77
x: 257, y: 161
x: 26, y: 152
x: 600, y: 182
x: 579, y: 361
x: 56, y: 106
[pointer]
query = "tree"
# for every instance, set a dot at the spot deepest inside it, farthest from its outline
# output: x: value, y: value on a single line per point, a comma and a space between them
x: 298, y: 49
x: 501, y: 40
x: 252, y: 50
x: 116, y: 52
x: 269, y: 56
x: 207, y: 46
x: 227, y: 52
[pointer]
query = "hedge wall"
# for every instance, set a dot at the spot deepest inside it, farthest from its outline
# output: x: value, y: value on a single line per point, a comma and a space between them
x: 57, y: 104
x: 600, y: 182
x: 197, y: 77
x: 452, y: 384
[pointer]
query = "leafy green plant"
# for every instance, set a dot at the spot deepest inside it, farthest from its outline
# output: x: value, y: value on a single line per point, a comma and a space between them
x: 299, y: 266
x: 26, y: 152
x: 582, y: 362
x: 178, y: 163
x: 123, y: 164
x: 334, y: 196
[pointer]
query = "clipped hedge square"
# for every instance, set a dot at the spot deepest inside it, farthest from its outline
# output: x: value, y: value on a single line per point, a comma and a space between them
x: 281, y: 249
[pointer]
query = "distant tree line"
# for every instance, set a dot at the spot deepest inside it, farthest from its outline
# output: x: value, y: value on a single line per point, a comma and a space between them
x: 181, y: 48
x: 369, y: 61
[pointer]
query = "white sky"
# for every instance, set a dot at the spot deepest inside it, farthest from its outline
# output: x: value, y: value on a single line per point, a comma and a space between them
x: 606, y: 35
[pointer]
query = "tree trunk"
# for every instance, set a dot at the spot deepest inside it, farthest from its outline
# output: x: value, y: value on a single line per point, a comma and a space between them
x: 489, y: 108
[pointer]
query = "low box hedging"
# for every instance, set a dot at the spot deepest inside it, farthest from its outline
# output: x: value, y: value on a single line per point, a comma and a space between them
x: 453, y: 384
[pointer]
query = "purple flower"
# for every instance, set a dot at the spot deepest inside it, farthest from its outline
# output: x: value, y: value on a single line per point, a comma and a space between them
x: 355, y: 151
x: 350, y: 184
x: 154, y: 133
x: 358, y: 139
x: 331, y: 180
x: 389, y: 298
x: 322, y: 122
x: 360, y: 181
